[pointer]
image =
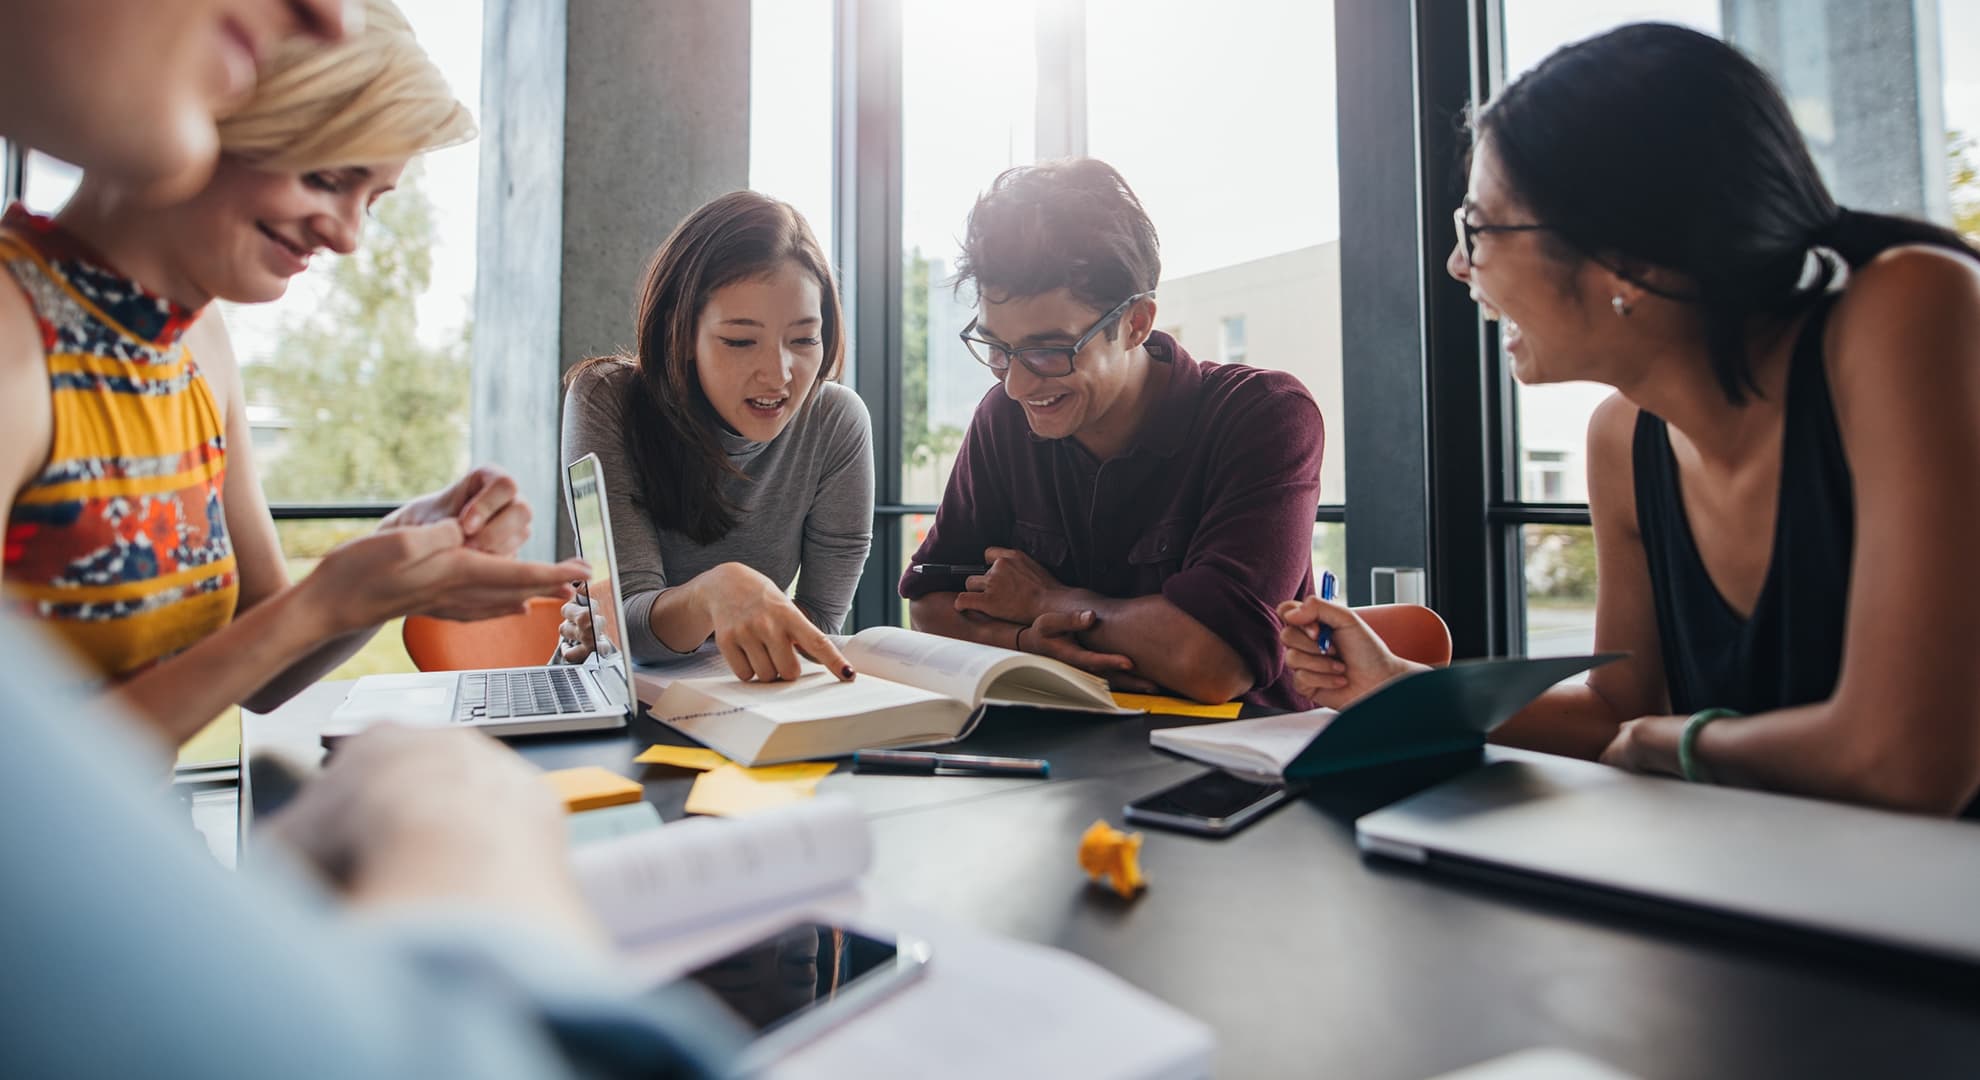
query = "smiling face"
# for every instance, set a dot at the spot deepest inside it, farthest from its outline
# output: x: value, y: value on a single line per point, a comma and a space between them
x: 178, y: 63
x: 758, y: 348
x: 249, y: 231
x: 1098, y: 392
x: 1554, y: 313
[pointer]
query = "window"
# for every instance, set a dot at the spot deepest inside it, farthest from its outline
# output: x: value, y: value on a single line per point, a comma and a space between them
x: 790, y: 107
x: 1250, y: 234
x: 1230, y: 346
x: 1891, y: 110
x: 48, y: 182
x: 357, y: 379
x: 957, y: 134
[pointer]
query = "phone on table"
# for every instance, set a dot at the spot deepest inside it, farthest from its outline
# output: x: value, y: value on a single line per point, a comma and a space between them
x: 1216, y: 803
x: 800, y: 982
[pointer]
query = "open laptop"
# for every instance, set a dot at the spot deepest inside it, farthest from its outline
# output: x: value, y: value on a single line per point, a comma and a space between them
x: 1838, y: 871
x: 529, y: 700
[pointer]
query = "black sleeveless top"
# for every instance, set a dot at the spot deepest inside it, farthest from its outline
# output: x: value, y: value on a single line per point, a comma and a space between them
x: 1788, y: 652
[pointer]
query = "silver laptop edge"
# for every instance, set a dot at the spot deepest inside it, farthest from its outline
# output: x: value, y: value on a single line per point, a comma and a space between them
x: 1872, y: 876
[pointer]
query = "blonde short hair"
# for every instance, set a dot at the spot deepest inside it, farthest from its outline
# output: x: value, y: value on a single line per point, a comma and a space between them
x: 370, y: 98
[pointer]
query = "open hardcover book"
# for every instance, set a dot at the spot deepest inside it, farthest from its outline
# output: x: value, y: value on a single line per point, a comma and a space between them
x: 913, y: 689
x: 1423, y: 714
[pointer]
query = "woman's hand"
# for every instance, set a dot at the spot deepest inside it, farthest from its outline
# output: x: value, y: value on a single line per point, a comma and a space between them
x: 426, y: 570
x: 574, y: 634
x: 1647, y: 744
x: 760, y: 632
x: 1356, y: 661
x: 493, y: 515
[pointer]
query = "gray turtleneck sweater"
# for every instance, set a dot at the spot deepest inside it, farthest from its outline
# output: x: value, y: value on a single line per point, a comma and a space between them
x: 805, y: 502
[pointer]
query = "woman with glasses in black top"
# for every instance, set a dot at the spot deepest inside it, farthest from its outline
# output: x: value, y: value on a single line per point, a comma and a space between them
x: 1783, y: 484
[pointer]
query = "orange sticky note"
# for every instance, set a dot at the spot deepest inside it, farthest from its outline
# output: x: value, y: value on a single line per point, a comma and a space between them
x: 681, y: 757
x: 591, y: 787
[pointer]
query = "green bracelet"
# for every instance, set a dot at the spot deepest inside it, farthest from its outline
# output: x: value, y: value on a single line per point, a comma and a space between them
x: 1688, y: 742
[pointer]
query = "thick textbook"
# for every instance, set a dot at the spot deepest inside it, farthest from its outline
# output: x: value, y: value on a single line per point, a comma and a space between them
x: 913, y: 689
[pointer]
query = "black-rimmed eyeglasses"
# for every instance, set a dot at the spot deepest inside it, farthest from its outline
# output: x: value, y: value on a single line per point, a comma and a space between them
x: 1468, y: 233
x: 1044, y: 361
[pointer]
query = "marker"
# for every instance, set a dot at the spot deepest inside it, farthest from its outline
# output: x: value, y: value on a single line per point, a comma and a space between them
x: 950, y: 569
x: 1325, y: 635
x: 925, y: 764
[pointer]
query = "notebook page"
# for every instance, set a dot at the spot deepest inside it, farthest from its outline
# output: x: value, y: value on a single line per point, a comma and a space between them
x: 699, y: 870
x: 1264, y: 745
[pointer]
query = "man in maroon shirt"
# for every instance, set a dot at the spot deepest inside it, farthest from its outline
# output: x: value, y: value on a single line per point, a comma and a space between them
x: 1131, y: 511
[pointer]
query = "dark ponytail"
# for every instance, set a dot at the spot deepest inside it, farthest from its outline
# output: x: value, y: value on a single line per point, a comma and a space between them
x: 1654, y: 145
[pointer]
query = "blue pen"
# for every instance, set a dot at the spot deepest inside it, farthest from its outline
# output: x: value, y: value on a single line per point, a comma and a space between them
x: 1325, y: 635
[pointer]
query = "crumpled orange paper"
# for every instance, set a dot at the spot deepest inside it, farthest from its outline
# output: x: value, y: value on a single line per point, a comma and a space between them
x: 1107, y: 852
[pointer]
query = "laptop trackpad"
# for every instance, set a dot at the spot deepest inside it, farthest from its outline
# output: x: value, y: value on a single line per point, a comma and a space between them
x: 416, y: 700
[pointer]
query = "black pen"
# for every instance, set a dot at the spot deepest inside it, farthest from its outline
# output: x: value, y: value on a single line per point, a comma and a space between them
x: 950, y: 569
x: 926, y: 764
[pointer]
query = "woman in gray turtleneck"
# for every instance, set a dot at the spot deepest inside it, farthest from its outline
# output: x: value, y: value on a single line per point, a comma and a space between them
x: 734, y: 463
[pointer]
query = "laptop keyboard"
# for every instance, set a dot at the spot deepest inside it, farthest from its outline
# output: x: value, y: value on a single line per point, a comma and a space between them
x: 493, y: 695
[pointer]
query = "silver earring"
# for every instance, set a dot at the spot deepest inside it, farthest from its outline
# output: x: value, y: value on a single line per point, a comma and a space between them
x: 1621, y: 306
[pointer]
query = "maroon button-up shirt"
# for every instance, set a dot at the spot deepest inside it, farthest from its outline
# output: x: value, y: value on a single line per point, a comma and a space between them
x: 1211, y: 507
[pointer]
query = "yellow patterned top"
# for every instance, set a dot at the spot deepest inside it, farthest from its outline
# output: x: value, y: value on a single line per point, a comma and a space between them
x: 120, y: 543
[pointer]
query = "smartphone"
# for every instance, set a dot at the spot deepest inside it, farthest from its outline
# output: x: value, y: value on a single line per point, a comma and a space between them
x: 802, y: 981
x: 1217, y: 803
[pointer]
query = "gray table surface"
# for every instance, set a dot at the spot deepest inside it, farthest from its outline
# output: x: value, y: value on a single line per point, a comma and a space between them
x: 1307, y: 957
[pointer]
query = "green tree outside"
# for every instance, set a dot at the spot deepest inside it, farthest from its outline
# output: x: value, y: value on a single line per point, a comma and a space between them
x: 1963, y: 153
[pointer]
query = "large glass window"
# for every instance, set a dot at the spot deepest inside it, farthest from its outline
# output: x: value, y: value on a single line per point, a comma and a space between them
x: 958, y: 132
x: 790, y: 107
x: 1221, y: 117
x: 357, y: 379
x: 1891, y: 109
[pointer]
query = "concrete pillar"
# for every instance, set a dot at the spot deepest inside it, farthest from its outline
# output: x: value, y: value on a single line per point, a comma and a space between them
x: 604, y: 123
x: 1863, y: 78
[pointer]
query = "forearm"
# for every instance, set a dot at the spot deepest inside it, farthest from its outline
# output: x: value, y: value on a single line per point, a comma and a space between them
x: 679, y: 619
x: 1573, y: 721
x: 1168, y: 647
x: 936, y: 613
x: 1831, y: 753
x: 180, y: 695
x: 305, y: 672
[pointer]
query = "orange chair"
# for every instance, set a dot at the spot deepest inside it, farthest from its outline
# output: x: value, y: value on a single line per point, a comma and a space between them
x: 523, y: 640
x: 1411, y: 631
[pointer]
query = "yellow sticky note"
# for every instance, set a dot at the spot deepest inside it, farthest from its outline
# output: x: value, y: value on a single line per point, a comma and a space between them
x: 681, y: 757
x: 591, y: 787
x: 1175, y: 706
x: 732, y: 789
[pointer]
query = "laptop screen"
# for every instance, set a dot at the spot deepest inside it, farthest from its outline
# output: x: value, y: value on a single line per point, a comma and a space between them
x: 592, y: 524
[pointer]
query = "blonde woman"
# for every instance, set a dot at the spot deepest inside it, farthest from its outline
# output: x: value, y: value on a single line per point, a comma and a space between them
x: 135, y: 525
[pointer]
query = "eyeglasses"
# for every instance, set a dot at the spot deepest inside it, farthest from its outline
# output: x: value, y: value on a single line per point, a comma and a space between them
x: 1468, y: 233
x: 1044, y: 361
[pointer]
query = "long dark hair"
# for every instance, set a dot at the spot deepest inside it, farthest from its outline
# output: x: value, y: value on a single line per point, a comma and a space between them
x: 673, y: 431
x: 1661, y: 146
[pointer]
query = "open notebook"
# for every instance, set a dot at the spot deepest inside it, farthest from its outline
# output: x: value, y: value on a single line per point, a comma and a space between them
x: 913, y: 689
x: 1436, y: 711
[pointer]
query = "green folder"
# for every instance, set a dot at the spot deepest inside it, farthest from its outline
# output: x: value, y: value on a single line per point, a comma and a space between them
x: 1437, y: 711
